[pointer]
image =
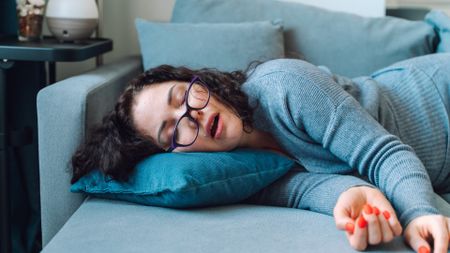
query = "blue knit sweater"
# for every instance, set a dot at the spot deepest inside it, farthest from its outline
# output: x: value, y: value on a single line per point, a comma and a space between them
x: 390, y: 129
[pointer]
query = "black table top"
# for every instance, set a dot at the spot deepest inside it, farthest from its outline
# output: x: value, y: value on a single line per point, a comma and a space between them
x: 50, y: 49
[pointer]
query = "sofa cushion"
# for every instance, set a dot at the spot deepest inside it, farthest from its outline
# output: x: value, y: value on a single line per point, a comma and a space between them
x: 225, y: 46
x: 348, y: 44
x: 114, y: 226
x: 191, y: 179
x: 101, y: 225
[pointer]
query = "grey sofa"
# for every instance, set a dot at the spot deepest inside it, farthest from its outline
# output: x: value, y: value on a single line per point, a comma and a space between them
x: 76, y: 223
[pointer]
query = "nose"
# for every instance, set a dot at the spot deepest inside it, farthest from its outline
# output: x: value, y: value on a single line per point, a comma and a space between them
x: 196, y: 114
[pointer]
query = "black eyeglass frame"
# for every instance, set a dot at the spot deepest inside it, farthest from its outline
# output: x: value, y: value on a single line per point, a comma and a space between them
x: 174, y: 144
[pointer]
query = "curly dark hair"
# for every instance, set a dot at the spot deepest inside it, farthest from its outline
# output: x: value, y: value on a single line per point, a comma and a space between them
x: 115, y: 146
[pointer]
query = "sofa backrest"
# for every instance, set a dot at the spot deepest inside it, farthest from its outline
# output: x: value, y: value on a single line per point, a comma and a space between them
x: 348, y: 44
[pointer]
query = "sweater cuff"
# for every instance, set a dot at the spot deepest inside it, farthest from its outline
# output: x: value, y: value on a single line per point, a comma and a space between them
x: 325, y: 203
x: 417, y: 211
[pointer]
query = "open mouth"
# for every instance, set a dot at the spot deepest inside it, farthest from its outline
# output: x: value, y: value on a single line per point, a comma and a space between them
x: 214, y: 126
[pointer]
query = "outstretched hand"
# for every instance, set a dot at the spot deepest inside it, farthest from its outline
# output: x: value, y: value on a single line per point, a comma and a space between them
x: 367, y: 216
x: 429, y: 228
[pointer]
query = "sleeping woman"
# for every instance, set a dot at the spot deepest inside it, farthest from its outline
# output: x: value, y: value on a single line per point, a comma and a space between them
x: 371, y: 151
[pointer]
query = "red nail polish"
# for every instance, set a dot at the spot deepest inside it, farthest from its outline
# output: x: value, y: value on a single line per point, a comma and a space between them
x: 376, y: 211
x: 350, y: 227
x: 424, y: 249
x: 387, y: 215
x: 362, y: 223
x: 368, y: 209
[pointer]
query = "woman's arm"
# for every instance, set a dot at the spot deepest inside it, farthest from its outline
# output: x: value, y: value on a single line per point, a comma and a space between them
x: 304, y: 190
x: 326, y: 117
x: 345, y: 196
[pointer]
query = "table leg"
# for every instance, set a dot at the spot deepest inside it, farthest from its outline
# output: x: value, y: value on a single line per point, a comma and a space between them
x: 5, y: 228
x: 51, y: 73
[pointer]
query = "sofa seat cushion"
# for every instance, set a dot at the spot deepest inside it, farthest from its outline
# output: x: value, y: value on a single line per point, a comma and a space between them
x: 101, y: 225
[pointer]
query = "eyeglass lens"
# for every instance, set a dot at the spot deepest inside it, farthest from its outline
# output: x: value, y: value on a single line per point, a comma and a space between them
x: 187, y: 128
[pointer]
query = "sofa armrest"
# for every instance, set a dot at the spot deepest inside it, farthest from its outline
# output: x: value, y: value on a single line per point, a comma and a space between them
x: 65, y: 111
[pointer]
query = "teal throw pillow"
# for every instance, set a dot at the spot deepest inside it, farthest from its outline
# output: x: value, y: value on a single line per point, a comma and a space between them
x: 181, y: 180
x: 225, y: 46
x: 347, y: 44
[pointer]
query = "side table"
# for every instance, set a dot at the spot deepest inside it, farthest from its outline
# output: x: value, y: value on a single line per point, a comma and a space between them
x: 50, y: 51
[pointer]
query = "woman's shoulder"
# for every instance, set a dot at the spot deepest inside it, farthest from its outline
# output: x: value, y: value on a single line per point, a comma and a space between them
x: 287, y: 73
x: 283, y: 65
x: 293, y: 78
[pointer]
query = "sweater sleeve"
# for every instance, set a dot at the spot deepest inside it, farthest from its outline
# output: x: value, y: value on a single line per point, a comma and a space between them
x: 383, y: 158
x: 334, y: 120
x: 305, y: 190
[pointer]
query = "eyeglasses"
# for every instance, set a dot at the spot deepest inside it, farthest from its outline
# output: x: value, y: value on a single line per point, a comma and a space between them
x: 186, y: 128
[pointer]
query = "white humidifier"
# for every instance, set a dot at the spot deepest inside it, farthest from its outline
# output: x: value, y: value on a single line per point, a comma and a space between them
x: 70, y: 20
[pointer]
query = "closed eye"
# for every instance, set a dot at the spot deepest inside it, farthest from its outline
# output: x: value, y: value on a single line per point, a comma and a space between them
x: 168, y: 136
x: 183, y: 99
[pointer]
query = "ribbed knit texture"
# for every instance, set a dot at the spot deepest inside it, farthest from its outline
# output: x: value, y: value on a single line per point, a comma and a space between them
x: 384, y: 127
x: 306, y: 190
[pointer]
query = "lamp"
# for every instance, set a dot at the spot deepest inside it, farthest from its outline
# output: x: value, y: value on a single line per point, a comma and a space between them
x: 70, y: 20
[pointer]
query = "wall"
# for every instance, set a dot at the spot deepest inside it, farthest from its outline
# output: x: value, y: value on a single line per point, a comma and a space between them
x: 368, y: 8
x: 118, y: 25
x: 430, y: 4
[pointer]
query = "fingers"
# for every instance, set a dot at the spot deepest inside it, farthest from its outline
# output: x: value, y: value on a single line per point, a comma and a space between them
x: 388, y: 234
x: 375, y: 233
x: 381, y: 227
x: 358, y: 240
x: 342, y: 218
x: 370, y: 228
x: 423, y: 249
x: 365, y: 224
x: 393, y: 222
x: 432, y: 228
x: 448, y: 227
x: 441, y: 236
x: 345, y: 215
x: 416, y: 241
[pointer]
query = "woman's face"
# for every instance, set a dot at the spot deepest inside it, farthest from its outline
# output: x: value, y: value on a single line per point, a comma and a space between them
x: 158, y: 107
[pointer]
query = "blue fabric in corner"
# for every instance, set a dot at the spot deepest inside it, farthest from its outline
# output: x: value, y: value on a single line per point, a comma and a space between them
x: 441, y: 23
x: 225, y: 46
x: 191, y: 179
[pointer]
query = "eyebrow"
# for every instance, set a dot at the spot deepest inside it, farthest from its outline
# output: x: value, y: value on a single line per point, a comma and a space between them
x: 169, y: 102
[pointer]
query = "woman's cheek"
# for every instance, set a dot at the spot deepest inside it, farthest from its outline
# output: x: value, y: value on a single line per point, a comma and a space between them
x: 199, y: 145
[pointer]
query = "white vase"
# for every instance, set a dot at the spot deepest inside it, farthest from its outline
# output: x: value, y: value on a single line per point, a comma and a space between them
x: 70, y: 20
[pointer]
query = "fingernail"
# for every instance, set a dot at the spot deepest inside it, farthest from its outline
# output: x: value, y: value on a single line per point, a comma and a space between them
x: 368, y: 209
x: 376, y: 211
x: 362, y: 223
x: 350, y: 227
x: 387, y: 215
x: 424, y: 249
